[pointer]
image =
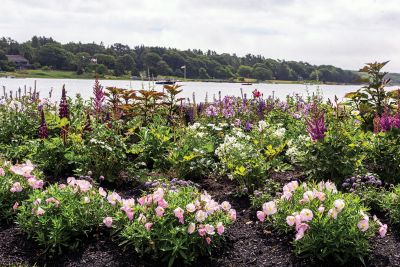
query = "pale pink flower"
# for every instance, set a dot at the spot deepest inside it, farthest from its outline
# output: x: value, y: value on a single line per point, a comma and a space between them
x: 297, y: 219
x: 321, y: 196
x: 190, y: 207
x: 208, y: 240
x: 128, y: 211
x: 102, y: 192
x: 286, y: 195
x: 205, y: 197
x: 290, y: 220
x: 339, y: 204
x: 160, y: 211
x: 162, y: 203
x: 308, y: 196
x: 108, y: 221
x: 200, y: 216
x: 53, y: 200
x: 2, y: 172
x: 211, y: 206
x: 383, y: 230
x: 210, y: 230
x: 191, y: 228
x: 302, y: 227
x: 39, y: 211
x: 226, y: 206
x: 220, y: 228
x: 306, y: 215
x: 86, y: 200
x: 16, y: 187
x: 363, y: 225
x: 37, y: 202
x: 261, y: 215
x: 232, y: 214
x: 15, y: 206
x: 130, y: 202
x: 269, y: 208
x: 22, y: 169
x: 62, y: 186
x: 332, y: 213
x: 202, y: 231
x: 71, y: 181
x: 142, y: 218
x: 114, y: 198
x: 83, y: 185
x: 330, y: 187
x: 178, y: 212
x: 299, y: 235
x: 321, y: 209
x: 158, y: 194
x: 148, y: 226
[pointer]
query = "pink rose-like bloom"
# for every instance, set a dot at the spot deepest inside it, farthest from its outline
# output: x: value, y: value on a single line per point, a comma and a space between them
x: 114, y: 198
x: 16, y: 187
x: 383, y: 230
x: 102, y: 192
x: 332, y: 213
x: 39, y: 212
x: 22, y: 169
x: 363, y: 225
x: 269, y: 208
x: 83, y: 185
x: 226, y: 206
x: 178, y: 212
x: 15, y: 206
x: 339, y: 204
x: 190, y: 207
x: 158, y: 194
x: 191, y: 228
x: 261, y: 215
x: 200, y: 216
x: 130, y: 202
x: 308, y: 196
x: 2, y: 172
x: 220, y: 228
x: 128, y: 211
x: 108, y: 221
x: 299, y: 235
x: 321, y: 196
x: 202, y: 231
x: 208, y: 240
x: 290, y: 220
x: 232, y: 214
x: 321, y: 209
x: 160, y: 211
x: 306, y: 215
x: 286, y: 195
x: 210, y: 230
x: 162, y: 203
x: 148, y: 226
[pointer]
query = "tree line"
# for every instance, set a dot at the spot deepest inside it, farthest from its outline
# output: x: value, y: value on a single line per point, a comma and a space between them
x: 119, y: 59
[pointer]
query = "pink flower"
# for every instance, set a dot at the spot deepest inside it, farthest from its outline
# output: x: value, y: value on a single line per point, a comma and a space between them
x: 102, y: 192
x: 232, y: 214
x: 128, y: 211
x: 286, y: 195
x: 210, y: 230
x: 179, y: 214
x: 220, y: 228
x: 339, y: 204
x: 332, y: 213
x: 191, y: 228
x: 261, y: 215
x: 39, y: 212
x: 158, y: 194
x: 130, y: 202
x: 226, y: 206
x: 53, y: 200
x: 321, y: 196
x: 306, y: 215
x: 108, y: 222
x: 62, y: 186
x: 363, y: 225
x: 35, y: 183
x: 2, y: 172
x: 162, y: 203
x: 308, y: 196
x: 299, y: 235
x: 321, y: 209
x: 148, y: 226
x: 16, y: 187
x: 86, y: 200
x: 383, y: 230
x: 114, y: 198
x: 269, y: 208
x: 302, y: 227
x: 190, y: 207
x: 37, y: 202
x: 22, y: 169
x: 208, y: 240
x: 83, y: 185
x: 142, y: 218
x: 202, y: 231
x: 290, y: 220
x: 200, y: 216
x: 15, y: 206
x: 160, y: 211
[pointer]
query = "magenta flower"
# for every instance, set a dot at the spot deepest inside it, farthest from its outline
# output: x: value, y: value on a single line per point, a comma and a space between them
x: 108, y: 222
x: 99, y: 97
x: 316, y: 123
x: 202, y: 231
x: 208, y: 240
x: 43, y: 130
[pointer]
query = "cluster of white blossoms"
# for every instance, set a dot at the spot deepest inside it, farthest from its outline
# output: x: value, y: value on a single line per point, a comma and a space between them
x: 230, y: 143
x: 101, y: 144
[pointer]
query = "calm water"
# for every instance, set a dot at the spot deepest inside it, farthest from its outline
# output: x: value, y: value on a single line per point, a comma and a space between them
x: 84, y: 87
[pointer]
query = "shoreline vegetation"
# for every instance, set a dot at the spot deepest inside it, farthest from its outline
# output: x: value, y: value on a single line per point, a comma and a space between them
x: 60, y: 74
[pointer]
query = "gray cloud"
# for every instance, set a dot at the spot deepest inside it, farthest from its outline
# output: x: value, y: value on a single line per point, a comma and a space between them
x: 339, y: 32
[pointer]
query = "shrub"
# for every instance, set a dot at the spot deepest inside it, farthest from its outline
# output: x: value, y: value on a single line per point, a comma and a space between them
x: 16, y: 183
x: 170, y: 225
x: 328, y: 224
x: 391, y: 204
x: 62, y: 215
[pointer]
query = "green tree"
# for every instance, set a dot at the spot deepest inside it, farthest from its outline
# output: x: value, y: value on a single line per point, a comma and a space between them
x: 53, y: 55
x: 123, y: 64
x: 262, y: 74
x: 163, y: 68
x: 203, y: 74
x: 245, y: 71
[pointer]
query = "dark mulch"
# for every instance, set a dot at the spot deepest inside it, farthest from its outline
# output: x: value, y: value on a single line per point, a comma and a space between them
x: 248, y: 243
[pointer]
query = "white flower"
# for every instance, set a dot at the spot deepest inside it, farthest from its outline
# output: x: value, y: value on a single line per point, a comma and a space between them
x: 262, y: 125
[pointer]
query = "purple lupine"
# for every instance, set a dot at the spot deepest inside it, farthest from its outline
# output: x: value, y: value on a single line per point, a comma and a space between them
x: 43, y: 130
x: 64, y: 107
x: 200, y: 108
x: 189, y: 114
x: 99, y: 97
x: 261, y: 108
x: 316, y: 124
x: 385, y: 122
x: 248, y: 126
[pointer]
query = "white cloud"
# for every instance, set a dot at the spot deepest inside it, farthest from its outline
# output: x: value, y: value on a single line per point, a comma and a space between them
x: 339, y: 32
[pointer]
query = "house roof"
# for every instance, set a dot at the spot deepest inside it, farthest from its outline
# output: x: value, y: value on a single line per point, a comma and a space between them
x: 17, y: 59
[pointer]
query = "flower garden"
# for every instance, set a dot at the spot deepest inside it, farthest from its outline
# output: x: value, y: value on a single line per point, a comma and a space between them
x: 145, y: 178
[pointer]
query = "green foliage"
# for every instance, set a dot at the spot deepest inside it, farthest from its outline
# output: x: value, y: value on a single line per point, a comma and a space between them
x: 390, y: 202
x: 62, y: 216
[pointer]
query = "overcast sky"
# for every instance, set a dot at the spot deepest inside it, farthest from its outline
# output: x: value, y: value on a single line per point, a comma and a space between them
x: 345, y: 33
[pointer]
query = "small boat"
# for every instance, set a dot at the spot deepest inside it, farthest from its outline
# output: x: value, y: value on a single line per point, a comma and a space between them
x: 165, y: 82
x: 247, y: 84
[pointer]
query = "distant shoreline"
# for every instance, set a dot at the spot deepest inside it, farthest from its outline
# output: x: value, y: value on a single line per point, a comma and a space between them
x: 56, y: 74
